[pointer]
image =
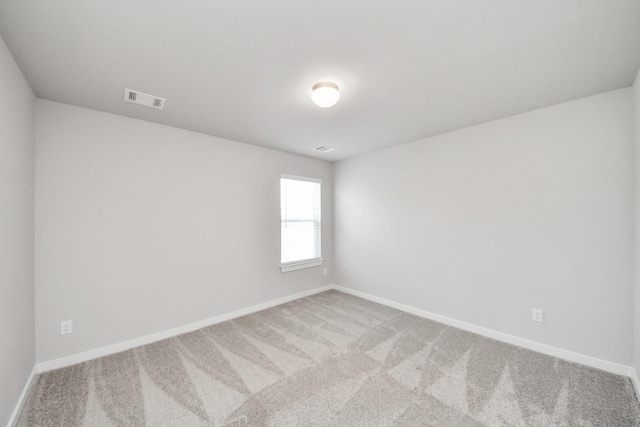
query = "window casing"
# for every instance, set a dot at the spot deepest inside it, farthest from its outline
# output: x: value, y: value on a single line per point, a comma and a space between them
x: 300, y: 222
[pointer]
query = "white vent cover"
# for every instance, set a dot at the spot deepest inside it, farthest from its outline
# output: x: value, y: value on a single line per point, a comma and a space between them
x: 144, y: 99
x: 324, y: 149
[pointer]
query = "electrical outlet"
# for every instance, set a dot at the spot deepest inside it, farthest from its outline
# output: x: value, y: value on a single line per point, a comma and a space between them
x: 66, y: 327
x: 325, y: 271
x: 536, y: 315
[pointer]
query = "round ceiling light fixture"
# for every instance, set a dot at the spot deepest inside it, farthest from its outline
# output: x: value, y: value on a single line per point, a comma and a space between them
x: 325, y: 94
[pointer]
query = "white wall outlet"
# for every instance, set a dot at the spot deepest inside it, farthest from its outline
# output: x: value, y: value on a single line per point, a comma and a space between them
x: 66, y: 327
x: 325, y: 271
x: 536, y: 315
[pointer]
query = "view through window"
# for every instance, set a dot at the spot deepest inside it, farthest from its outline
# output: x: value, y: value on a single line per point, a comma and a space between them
x: 300, y: 221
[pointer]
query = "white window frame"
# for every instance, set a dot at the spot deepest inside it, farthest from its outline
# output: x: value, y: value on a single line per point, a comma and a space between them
x: 304, y: 263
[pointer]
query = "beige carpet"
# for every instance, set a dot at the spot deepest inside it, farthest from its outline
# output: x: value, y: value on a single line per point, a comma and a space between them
x: 330, y: 359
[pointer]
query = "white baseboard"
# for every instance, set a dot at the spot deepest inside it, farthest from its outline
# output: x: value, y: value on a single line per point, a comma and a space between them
x: 636, y: 383
x: 148, y: 339
x: 510, y: 339
x: 571, y: 356
x: 13, y: 420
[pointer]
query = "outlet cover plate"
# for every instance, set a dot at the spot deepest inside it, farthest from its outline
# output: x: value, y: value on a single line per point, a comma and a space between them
x: 536, y: 315
x: 66, y: 327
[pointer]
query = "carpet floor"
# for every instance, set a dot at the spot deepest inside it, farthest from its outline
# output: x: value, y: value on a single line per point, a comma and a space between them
x: 330, y: 359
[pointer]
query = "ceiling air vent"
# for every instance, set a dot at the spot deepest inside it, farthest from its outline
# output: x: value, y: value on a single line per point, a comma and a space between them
x: 324, y: 149
x: 144, y: 99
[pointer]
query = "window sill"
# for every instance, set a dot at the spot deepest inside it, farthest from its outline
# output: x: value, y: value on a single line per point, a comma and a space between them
x: 299, y: 265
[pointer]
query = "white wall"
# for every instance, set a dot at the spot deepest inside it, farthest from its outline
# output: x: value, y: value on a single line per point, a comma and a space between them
x: 17, y: 331
x: 636, y: 299
x: 142, y: 228
x: 483, y: 224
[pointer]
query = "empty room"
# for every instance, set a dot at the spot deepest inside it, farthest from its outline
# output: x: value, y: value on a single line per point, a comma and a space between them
x: 356, y: 213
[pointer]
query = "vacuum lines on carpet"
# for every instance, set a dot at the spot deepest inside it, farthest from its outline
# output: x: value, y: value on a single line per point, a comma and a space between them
x: 330, y: 359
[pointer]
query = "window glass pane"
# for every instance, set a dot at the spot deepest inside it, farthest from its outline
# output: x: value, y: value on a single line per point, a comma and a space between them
x: 300, y: 220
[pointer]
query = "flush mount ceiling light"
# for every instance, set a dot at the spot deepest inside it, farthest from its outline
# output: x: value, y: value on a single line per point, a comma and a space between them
x: 325, y: 94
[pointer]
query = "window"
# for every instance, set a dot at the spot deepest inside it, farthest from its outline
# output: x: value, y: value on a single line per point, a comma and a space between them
x: 300, y: 222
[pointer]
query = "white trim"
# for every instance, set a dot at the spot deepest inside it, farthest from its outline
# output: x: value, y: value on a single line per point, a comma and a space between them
x: 521, y: 342
x: 299, y: 265
x: 593, y: 362
x: 300, y: 178
x: 136, y: 342
x: 636, y: 383
x: 13, y: 419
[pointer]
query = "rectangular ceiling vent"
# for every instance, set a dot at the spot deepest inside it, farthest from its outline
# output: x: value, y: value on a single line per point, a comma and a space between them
x: 144, y: 99
x: 324, y: 149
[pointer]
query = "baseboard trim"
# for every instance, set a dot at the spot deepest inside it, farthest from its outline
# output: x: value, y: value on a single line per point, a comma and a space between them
x: 510, y: 339
x: 148, y: 339
x: 571, y: 356
x: 13, y: 420
x: 636, y: 383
